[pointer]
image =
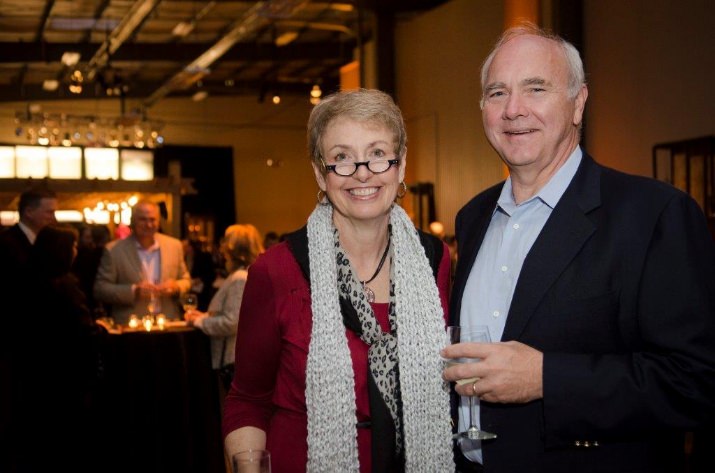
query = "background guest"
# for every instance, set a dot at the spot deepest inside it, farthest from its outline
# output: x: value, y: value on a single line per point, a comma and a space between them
x: 142, y: 268
x: 200, y: 264
x: 36, y: 209
x: 271, y: 239
x: 60, y: 368
x: 93, y: 239
x: 241, y: 246
x: 331, y: 316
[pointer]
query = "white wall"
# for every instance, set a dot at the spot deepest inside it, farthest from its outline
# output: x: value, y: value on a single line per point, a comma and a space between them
x: 439, y: 55
x: 650, y: 66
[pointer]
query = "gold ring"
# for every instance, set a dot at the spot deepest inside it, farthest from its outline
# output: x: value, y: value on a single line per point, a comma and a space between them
x: 474, y: 388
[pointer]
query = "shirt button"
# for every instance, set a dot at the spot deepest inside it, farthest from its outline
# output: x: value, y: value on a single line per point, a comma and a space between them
x: 515, y: 226
x: 504, y: 268
x: 495, y: 313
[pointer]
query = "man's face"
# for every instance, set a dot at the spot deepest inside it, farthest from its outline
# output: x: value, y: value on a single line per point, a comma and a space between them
x: 145, y: 221
x: 528, y: 116
x: 39, y: 217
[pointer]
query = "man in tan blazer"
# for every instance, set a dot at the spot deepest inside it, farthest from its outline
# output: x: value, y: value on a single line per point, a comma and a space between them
x: 146, y: 269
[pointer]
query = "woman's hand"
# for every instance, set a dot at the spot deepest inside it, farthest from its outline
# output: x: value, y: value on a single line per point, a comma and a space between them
x: 194, y: 318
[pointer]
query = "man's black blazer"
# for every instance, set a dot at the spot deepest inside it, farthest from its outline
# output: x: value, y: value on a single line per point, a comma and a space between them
x: 618, y: 293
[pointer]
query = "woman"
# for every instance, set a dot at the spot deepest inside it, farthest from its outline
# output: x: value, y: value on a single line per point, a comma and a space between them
x: 318, y: 351
x: 241, y: 246
x: 64, y: 358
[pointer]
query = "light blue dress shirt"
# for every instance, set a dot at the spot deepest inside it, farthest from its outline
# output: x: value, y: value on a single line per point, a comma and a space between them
x: 491, y: 283
x: 151, y: 262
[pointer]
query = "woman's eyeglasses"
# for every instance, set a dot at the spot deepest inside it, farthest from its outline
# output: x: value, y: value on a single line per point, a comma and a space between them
x: 376, y: 166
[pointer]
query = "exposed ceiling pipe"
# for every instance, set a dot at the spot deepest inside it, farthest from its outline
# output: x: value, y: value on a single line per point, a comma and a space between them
x: 317, y: 26
x: 124, y: 30
x: 253, y: 20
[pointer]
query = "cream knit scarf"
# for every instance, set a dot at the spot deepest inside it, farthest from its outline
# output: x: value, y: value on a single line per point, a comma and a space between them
x: 330, y: 390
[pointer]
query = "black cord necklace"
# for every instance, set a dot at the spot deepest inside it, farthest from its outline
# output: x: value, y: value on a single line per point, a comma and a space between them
x: 369, y: 293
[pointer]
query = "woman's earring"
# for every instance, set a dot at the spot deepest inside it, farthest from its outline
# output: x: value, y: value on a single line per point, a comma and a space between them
x: 322, y: 200
x: 402, y: 190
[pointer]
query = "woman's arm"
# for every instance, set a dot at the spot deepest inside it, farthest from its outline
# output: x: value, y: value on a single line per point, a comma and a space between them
x: 248, y: 405
x: 245, y: 438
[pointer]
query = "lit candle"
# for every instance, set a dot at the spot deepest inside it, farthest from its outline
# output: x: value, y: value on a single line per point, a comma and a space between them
x: 133, y: 321
x: 160, y: 321
x: 148, y: 321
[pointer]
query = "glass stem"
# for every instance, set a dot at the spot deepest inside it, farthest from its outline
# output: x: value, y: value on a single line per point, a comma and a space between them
x: 472, y: 425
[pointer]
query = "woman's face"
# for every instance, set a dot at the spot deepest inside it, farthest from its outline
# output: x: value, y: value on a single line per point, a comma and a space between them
x: 364, y: 196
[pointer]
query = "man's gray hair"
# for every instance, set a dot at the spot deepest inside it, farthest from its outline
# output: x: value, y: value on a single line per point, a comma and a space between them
x: 577, y: 76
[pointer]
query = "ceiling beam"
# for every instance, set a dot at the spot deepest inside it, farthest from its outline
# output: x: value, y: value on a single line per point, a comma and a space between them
x: 139, y: 90
x: 43, y: 20
x: 143, y: 52
x: 124, y: 30
x: 97, y: 15
x: 248, y: 24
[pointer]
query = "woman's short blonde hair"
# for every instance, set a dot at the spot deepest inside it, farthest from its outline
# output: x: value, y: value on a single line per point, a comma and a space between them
x: 242, y: 243
x: 363, y: 105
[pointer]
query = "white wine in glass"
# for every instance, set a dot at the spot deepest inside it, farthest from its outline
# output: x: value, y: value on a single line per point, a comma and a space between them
x: 189, y: 301
x: 473, y: 333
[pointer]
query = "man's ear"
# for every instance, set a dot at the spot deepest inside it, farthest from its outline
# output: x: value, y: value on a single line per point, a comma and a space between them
x: 580, y: 104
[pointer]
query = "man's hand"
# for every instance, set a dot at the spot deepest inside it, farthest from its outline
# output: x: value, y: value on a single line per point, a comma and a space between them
x: 168, y: 287
x: 508, y: 372
x: 144, y: 290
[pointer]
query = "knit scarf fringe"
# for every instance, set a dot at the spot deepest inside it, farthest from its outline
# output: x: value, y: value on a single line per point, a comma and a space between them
x: 330, y: 389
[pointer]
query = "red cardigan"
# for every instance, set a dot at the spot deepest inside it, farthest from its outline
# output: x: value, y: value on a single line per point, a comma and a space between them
x: 268, y: 391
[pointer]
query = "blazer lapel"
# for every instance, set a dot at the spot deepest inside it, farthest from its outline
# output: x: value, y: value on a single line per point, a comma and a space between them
x: 166, y: 261
x: 131, y: 256
x: 566, y: 231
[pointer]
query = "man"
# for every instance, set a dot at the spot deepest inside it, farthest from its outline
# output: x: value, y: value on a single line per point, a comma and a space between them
x: 143, y: 273
x: 600, y: 286
x: 36, y: 210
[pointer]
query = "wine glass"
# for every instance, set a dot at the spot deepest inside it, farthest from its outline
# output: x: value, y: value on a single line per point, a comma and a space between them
x: 154, y: 304
x: 460, y: 334
x: 189, y: 301
x: 251, y: 461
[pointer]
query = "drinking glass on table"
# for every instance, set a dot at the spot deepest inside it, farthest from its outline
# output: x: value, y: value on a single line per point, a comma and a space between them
x: 251, y: 461
x: 189, y: 301
x: 153, y: 307
x: 461, y: 334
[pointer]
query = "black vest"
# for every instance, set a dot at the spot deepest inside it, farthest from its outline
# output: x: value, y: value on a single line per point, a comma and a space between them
x: 384, y: 458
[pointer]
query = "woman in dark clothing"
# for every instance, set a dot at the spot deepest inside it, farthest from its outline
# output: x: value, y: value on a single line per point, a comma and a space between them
x: 60, y: 368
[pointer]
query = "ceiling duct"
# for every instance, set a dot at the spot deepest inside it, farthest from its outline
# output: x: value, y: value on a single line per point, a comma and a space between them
x: 257, y: 17
x: 124, y: 30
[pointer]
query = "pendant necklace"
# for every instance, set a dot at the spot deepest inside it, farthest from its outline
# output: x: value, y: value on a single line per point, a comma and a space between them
x: 369, y: 293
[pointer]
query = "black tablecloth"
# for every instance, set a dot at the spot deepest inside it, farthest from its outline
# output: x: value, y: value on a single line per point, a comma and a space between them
x: 159, y: 404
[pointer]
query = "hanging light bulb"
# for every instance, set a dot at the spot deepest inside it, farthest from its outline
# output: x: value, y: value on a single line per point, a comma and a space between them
x: 315, y: 94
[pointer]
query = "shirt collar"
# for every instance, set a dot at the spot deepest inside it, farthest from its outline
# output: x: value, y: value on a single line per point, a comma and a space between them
x: 551, y: 193
x: 153, y: 247
x: 32, y: 236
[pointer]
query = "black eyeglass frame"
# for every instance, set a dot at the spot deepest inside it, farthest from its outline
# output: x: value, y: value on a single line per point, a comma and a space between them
x: 357, y: 164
